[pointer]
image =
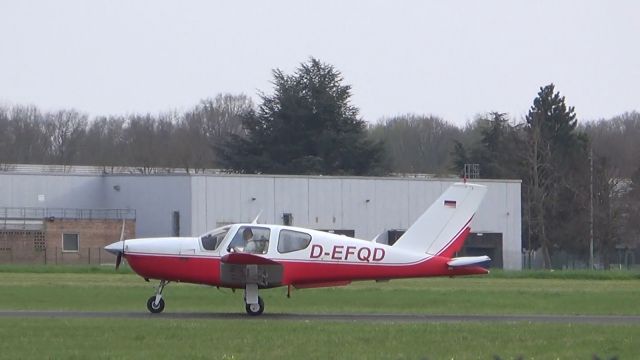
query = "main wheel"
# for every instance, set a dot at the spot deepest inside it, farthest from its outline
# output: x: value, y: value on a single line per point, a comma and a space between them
x: 255, y: 309
x: 153, y: 307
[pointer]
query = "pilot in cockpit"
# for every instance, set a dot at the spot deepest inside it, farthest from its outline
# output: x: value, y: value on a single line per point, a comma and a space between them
x: 250, y: 245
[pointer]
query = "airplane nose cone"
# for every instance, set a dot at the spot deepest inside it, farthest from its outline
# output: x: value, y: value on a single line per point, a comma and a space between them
x: 114, y: 248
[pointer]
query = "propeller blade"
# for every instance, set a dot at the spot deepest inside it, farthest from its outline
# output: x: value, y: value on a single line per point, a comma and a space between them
x: 122, y: 231
x: 119, y: 259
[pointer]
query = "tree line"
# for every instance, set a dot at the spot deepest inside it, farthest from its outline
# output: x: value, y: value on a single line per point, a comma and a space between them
x: 308, y: 125
x: 144, y: 141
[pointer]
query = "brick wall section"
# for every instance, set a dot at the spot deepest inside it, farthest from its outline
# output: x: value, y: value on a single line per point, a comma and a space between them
x: 93, y: 236
x: 20, y: 246
x: 45, y: 246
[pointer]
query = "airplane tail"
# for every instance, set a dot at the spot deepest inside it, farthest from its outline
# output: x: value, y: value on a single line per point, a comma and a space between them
x: 442, y: 229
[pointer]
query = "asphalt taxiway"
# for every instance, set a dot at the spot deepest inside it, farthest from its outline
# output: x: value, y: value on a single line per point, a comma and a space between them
x: 391, y: 318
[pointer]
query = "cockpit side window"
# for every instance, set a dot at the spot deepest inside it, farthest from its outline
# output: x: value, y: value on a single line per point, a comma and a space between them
x: 212, y: 241
x: 290, y: 241
x: 251, y: 239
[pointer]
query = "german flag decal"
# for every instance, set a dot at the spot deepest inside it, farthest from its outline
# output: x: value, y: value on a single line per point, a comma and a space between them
x: 450, y: 203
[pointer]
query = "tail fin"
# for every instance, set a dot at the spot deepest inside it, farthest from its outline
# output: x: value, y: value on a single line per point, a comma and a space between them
x: 442, y: 229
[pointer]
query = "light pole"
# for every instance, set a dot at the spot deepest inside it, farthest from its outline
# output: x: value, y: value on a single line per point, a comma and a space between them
x: 591, y: 208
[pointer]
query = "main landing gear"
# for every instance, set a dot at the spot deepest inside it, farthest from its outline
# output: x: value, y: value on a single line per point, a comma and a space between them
x: 155, y: 304
x: 255, y: 309
x: 254, y: 303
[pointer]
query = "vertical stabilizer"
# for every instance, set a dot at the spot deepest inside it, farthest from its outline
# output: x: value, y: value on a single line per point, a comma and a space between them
x: 442, y: 229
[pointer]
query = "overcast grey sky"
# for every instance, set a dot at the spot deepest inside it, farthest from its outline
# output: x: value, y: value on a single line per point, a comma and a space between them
x: 453, y: 59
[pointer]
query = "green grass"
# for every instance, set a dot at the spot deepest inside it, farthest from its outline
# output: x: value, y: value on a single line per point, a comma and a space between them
x: 567, y: 274
x: 64, y: 269
x: 101, y: 289
x: 473, y: 295
x: 496, y: 274
x: 225, y: 339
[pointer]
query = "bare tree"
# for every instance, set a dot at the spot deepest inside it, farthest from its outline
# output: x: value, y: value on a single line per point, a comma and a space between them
x: 5, y: 135
x: 65, y: 129
x: 140, y: 142
x: 608, y: 193
x: 215, y: 119
x: 223, y: 115
x: 416, y: 143
x: 29, y: 143
x: 104, y: 143
x: 190, y: 143
x: 617, y: 140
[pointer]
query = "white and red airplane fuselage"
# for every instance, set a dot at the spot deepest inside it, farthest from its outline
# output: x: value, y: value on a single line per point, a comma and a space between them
x: 329, y: 258
x: 252, y: 256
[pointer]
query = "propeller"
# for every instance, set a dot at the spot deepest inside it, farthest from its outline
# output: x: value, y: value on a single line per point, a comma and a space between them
x: 121, y: 253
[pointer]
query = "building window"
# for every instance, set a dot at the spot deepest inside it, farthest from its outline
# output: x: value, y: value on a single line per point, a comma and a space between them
x: 292, y: 241
x: 70, y: 242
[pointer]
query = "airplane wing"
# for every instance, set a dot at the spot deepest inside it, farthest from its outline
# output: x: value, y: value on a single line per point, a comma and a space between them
x: 247, y: 259
x: 241, y: 269
x: 482, y: 261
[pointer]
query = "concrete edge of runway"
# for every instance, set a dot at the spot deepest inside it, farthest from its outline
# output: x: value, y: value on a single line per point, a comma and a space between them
x: 390, y: 318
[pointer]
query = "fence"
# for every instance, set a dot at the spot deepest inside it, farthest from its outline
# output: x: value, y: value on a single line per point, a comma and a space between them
x: 28, y: 213
x: 622, y: 258
x: 55, y: 256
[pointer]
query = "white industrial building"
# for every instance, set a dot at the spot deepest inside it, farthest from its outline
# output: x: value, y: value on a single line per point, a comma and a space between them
x: 363, y: 206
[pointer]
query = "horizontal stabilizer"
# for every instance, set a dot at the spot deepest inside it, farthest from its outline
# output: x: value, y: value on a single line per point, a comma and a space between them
x: 247, y: 259
x: 482, y: 261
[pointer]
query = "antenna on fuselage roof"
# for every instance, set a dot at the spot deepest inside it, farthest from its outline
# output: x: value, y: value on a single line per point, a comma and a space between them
x: 255, y: 221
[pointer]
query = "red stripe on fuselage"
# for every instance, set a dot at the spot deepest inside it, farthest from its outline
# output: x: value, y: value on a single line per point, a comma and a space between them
x: 313, y: 272
x: 191, y: 269
x: 206, y: 270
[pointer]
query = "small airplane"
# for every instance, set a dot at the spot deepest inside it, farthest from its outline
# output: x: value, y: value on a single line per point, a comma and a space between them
x: 254, y: 256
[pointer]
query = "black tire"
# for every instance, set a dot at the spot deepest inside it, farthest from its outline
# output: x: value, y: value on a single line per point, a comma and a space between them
x: 155, y: 309
x: 254, y: 311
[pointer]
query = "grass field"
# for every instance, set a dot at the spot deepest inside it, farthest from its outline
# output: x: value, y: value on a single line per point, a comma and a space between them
x: 472, y: 295
x: 502, y: 293
x: 88, y: 338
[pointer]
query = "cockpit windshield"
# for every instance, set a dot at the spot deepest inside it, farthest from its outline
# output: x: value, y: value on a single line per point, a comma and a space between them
x: 251, y: 239
x: 212, y: 240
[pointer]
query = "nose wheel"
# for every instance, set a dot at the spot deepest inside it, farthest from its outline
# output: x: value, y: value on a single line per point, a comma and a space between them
x: 155, y: 304
x: 255, y: 309
x: 155, y: 307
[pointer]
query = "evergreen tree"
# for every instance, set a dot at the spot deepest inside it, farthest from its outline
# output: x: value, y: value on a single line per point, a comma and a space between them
x: 497, y: 151
x: 460, y: 157
x: 557, y: 172
x: 307, y: 126
x: 500, y: 156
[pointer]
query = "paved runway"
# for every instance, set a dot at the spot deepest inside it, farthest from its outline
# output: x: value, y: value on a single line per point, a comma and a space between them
x: 390, y: 318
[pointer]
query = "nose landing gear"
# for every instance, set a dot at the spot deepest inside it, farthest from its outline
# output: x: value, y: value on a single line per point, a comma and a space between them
x: 155, y: 304
x: 254, y: 305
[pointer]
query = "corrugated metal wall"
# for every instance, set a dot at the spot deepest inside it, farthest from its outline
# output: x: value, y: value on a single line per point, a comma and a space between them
x: 49, y: 191
x: 367, y: 205
x: 153, y: 197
